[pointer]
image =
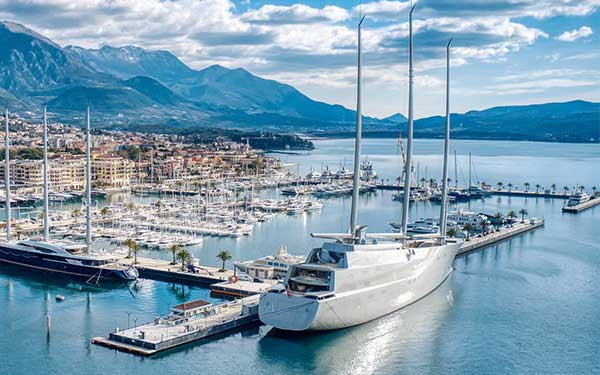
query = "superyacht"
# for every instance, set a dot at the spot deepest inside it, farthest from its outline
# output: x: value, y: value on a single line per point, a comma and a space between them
x: 356, y: 277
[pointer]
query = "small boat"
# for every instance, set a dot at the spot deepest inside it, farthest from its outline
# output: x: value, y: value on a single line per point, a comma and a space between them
x: 59, y: 298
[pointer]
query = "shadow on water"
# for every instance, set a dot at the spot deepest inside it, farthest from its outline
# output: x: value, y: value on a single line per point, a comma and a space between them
x: 411, y: 331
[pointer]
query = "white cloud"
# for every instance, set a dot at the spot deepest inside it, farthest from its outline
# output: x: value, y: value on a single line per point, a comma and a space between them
x: 569, y: 36
x: 295, y: 14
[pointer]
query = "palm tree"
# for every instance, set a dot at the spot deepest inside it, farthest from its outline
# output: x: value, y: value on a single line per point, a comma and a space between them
x: 498, y: 217
x: 224, y: 256
x: 522, y: 212
x: 130, y: 245
x: 565, y: 188
x: 104, y: 211
x: 526, y: 185
x: 451, y: 232
x: 469, y: 228
x: 511, y: 214
x: 594, y: 191
x: 136, y: 249
x: 500, y: 184
x: 510, y: 185
x: 537, y: 188
x: 174, y: 248
x: 553, y: 187
x: 184, y: 257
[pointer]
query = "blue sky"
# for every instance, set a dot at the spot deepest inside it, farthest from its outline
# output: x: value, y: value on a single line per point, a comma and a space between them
x: 505, y: 51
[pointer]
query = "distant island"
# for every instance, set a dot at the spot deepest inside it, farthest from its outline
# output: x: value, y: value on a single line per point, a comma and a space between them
x: 132, y: 88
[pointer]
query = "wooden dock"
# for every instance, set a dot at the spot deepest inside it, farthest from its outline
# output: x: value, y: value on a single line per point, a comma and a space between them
x: 504, y: 233
x: 204, y: 321
x: 530, y: 194
x: 581, y: 207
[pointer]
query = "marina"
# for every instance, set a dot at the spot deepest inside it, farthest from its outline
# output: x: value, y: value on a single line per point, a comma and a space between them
x: 578, y: 207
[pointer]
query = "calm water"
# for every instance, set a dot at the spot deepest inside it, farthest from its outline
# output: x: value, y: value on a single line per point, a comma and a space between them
x: 528, y: 305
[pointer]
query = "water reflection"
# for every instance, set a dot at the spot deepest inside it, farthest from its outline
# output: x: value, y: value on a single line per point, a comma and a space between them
x: 365, y: 349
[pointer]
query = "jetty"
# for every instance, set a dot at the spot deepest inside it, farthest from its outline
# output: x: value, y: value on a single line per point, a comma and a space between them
x: 163, y: 270
x: 530, y: 194
x: 582, y: 206
x: 501, y: 234
x: 187, y: 322
x: 241, y: 288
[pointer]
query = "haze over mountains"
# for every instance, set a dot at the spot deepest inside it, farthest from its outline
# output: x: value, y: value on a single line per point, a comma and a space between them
x: 130, y: 86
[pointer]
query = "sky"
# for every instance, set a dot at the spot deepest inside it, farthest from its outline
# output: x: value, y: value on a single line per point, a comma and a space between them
x: 505, y: 52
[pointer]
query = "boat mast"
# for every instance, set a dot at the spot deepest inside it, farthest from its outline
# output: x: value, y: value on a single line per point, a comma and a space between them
x: 7, y: 174
x: 443, y: 210
x: 45, y: 137
x: 356, y: 177
x: 88, y: 182
x: 455, y: 172
x: 469, y: 170
x: 409, y: 141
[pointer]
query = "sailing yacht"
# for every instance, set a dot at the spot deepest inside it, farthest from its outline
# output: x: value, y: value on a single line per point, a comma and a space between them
x: 60, y: 256
x: 356, y: 277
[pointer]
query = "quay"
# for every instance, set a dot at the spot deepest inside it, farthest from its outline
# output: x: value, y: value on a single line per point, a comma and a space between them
x: 533, y: 194
x: 241, y: 288
x: 582, y: 206
x: 504, y: 233
x: 188, y: 322
x: 163, y: 270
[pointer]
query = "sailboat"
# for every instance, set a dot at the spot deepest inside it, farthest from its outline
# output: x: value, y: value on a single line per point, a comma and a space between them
x: 60, y: 257
x: 356, y: 277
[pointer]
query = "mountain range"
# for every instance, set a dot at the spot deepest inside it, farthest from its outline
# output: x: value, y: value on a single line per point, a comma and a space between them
x: 130, y: 86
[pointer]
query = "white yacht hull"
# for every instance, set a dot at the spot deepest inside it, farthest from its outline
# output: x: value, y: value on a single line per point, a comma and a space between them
x: 298, y: 312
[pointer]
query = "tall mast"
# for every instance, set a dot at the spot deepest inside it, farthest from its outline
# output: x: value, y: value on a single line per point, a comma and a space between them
x: 443, y: 210
x: 45, y: 138
x: 356, y: 177
x: 455, y: 171
x: 469, y: 170
x: 88, y: 182
x: 7, y: 174
x: 409, y: 141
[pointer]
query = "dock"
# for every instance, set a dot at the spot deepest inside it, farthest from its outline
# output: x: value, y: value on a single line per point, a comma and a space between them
x: 163, y: 270
x: 504, y: 233
x: 582, y: 206
x: 188, y: 322
x: 241, y: 288
x: 531, y: 194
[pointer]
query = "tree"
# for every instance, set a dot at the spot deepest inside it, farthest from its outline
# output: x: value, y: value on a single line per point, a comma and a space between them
x: 136, y: 249
x: 130, y: 245
x: 498, y: 217
x: 553, y: 187
x: 526, y: 185
x: 184, y: 257
x: 511, y: 215
x: 174, y: 248
x: 594, y: 190
x: 537, y: 188
x: 523, y: 213
x: 469, y: 228
x: 510, y: 185
x: 500, y: 184
x: 224, y: 256
x: 104, y: 211
x: 451, y: 232
x: 565, y: 188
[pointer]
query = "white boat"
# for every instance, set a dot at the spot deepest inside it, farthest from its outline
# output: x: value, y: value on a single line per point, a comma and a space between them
x: 354, y: 277
x: 270, y: 267
x: 577, y: 199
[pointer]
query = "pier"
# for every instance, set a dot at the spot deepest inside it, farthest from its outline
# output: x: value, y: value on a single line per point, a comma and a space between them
x: 503, y: 233
x: 163, y: 270
x: 241, y: 288
x: 188, y: 322
x: 532, y: 194
x: 582, y: 206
